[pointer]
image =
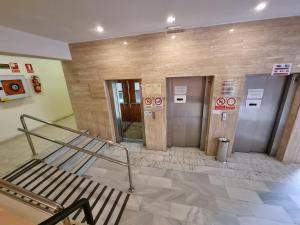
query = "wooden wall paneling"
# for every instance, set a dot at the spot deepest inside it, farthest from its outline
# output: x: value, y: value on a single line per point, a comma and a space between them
x: 289, y: 151
x: 217, y: 127
x: 111, y: 110
x: 155, y: 140
x: 292, y: 152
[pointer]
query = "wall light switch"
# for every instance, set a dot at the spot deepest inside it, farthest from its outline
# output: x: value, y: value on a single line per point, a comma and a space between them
x: 224, y: 116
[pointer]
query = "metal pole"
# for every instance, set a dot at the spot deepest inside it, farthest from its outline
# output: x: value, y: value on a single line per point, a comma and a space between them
x: 69, y: 129
x: 28, y: 133
x: 28, y: 136
x: 80, y: 204
x: 131, y: 188
x: 75, y: 148
x: 43, y: 203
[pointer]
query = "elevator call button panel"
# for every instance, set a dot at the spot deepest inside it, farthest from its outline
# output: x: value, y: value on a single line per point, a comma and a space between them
x: 180, y: 99
x: 13, y: 87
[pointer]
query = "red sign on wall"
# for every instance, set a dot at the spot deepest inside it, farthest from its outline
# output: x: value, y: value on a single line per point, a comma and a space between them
x: 148, y: 102
x: 282, y: 69
x: 223, y: 103
x: 14, y: 67
x: 29, y: 68
x: 158, y: 101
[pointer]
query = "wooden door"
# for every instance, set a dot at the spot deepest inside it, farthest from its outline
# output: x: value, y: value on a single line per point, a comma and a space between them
x: 131, y: 104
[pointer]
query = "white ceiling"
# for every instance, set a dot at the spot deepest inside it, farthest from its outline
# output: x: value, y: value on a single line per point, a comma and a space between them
x: 75, y: 20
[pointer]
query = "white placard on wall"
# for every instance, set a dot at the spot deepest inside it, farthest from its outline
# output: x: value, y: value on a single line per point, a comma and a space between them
x: 255, y: 93
x: 283, y: 69
x: 180, y: 90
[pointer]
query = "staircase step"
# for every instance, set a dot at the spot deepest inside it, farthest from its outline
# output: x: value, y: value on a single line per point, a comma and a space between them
x: 79, y: 161
x: 64, y: 188
x: 71, y: 160
x: 64, y: 152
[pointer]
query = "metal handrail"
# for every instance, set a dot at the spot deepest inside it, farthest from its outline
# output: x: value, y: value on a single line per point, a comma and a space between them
x: 81, y: 204
x: 27, y: 197
x: 48, y: 204
x: 29, y: 133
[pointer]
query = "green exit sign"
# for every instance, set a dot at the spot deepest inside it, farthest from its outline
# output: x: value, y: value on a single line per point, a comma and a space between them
x: 4, y: 66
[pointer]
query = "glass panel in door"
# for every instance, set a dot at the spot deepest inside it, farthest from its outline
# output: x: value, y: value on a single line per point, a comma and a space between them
x: 129, y: 99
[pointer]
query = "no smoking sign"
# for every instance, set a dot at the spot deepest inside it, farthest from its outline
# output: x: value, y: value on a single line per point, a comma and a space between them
x: 223, y: 103
x: 150, y: 102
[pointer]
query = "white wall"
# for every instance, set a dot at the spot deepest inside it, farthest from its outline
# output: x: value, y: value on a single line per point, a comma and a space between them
x: 51, y: 104
x: 22, y: 43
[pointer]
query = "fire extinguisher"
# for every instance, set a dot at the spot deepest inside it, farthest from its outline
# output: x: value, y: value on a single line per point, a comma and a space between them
x: 37, y: 86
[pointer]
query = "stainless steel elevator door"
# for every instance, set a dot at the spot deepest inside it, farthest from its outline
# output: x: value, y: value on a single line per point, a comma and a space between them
x: 255, y: 125
x: 185, y: 119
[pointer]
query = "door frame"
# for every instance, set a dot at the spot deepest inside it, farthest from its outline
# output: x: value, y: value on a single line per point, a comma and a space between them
x: 208, y: 98
x: 286, y: 101
x: 114, y: 112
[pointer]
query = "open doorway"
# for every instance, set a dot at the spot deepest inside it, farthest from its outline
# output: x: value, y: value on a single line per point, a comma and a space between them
x: 127, y: 110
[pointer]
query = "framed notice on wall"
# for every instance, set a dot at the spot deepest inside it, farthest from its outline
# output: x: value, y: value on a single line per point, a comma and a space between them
x: 153, y: 89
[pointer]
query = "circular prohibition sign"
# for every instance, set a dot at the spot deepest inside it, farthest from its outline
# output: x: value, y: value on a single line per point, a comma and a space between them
x: 158, y: 101
x: 221, y: 101
x: 148, y: 101
x: 231, y: 101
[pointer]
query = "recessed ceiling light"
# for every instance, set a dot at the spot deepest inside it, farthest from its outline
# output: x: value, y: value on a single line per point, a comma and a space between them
x: 173, y: 36
x: 231, y: 30
x: 125, y: 43
x: 171, y: 19
x: 261, y: 6
x: 99, y: 29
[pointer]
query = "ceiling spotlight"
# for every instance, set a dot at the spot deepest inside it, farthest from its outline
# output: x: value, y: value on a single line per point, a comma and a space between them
x: 231, y: 30
x: 99, y: 29
x: 171, y: 19
x: 173, y: 36
x: 125, y: 43
x: 261, y: 6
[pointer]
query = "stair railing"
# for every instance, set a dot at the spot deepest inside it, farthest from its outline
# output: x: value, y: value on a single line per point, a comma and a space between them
x: 98, y: 155
x: 31, y: 199
x: 80, y: 204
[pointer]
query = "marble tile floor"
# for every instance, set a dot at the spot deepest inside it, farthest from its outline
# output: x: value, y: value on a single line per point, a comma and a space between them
x: 16, y: 151
x: 184, y: 186
x: 133, y: 131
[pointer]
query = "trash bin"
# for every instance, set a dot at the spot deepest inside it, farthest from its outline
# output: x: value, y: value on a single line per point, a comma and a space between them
x: 222, y: 149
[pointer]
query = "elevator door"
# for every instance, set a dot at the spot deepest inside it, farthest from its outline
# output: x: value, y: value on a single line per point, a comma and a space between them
x: 185, y: 119
x: 127, y: 101
x: 255, y: 124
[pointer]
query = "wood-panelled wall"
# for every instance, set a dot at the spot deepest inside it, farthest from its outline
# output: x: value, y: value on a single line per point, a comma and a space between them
x: 251, y: 49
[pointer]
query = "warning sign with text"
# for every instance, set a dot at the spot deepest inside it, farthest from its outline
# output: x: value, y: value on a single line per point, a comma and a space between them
x: 223, y: 103
x: 282, y: 69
